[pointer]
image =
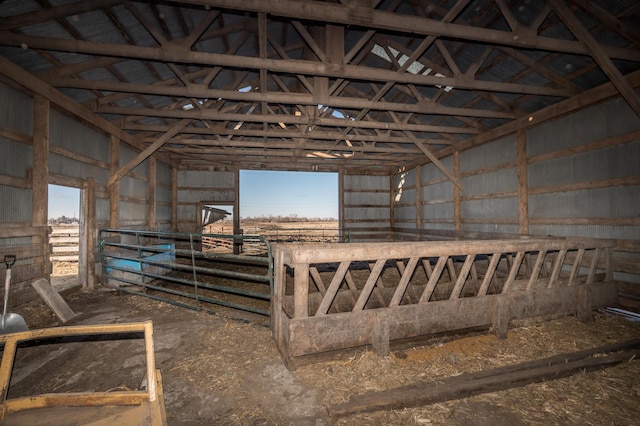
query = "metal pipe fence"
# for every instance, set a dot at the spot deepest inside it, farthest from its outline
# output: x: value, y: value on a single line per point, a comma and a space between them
x: 178, y: 268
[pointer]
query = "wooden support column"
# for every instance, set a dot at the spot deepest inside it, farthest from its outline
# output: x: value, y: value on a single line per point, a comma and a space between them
x: 301, y: 290
x: 457, y: 215
x: 419, y: 197
x: 174, y: 199
x: 392, y: 204
x: 114, y: 189
x: 153, y: 176
x: 40, y: 175
x: 236, y: 208
x: 88, y: 232
x: 380, y: 334
x: 523, y: 193
x: 341, y: 224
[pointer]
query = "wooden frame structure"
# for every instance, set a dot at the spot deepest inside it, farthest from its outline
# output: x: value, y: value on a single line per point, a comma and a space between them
x: 334, y: 297
x: 148, y: 405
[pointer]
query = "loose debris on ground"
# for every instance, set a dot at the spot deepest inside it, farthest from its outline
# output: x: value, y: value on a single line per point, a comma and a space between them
x: 220, y: 369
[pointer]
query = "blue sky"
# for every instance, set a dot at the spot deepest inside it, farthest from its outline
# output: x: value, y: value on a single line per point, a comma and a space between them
x: 262, y: 193
x: 306, y: 194
x: 63, y: 201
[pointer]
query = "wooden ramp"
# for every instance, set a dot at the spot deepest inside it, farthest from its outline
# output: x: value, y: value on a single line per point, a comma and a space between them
x: 53, y: 300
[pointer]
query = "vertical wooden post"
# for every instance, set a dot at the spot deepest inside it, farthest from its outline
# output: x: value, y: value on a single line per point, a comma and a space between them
x: 341, y: 224
x: 523, y: 195
x: 585, y: 303
x: 236, y: 209
x: 392, y: 204
x: 114, y: 189
x: 174, y: 199
x: 301, y: 290
x: 457, y: 215
x: 40, y: 176
x: 380, y: 334
x: 419, y: 197
x: 500, y: 316
x: 89, y: 233
x: 153, y: 176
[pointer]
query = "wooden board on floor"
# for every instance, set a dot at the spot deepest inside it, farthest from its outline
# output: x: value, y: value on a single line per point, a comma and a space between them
x: 470, y: 384
x: 53, y: 299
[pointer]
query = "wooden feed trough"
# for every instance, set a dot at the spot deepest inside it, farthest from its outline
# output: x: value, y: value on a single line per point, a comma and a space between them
x: 330, y: 297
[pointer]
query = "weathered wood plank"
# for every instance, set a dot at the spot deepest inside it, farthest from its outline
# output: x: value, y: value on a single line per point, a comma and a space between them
x: 53, y: 300
x: 470, y: 384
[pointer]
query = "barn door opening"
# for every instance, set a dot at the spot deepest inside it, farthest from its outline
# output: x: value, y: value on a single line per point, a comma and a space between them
x: 64, y: 240
x: 217, y: 219
x: 289, y: 206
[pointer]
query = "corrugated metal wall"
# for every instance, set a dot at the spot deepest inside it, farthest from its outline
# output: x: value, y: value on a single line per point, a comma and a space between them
x: 404, y: 195
x: 163, y: 197
x: 489, y: 195
x: 366, y: 202
x: 437, y: 197
x: 134, y: 192
x: 201, y: 186
x: 16, y: 113
x: 17, y: 235
x: 584, y: 178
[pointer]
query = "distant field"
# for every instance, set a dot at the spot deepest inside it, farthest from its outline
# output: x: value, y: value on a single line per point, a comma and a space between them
x: 309, y: 231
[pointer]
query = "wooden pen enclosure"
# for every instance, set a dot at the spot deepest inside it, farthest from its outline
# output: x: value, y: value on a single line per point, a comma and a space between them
x: 332, y: 297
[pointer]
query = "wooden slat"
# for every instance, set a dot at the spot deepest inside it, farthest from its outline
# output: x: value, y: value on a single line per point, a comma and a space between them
x: 433, y: 280
x: 470, y: 384
x: 462, y: 277
x: 404, y: 281
x: 513, y: 271
x: 330, y: 294
x: 53, y: 300
x: 369, y: 285
x: 488, y: 276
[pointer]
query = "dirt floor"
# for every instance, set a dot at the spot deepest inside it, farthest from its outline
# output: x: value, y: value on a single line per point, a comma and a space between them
x: 224, y: 369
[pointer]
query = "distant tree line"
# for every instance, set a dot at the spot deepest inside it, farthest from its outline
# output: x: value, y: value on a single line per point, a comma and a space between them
x: 63, y: 220
x: 286, y: 219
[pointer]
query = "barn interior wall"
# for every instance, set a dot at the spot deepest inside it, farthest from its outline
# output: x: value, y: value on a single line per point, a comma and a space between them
x: 577, y: 175
x: 78, y: 156
x: 18, y: 236
x: 197, y: 187
x: 366, y: 203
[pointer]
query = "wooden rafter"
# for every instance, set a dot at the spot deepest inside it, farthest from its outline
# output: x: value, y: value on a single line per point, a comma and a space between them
x: 598, y: 54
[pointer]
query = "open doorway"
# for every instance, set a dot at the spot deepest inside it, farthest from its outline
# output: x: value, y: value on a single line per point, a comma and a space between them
x: 64, y: 240
x: 218, y: 220
x: 290, y: 206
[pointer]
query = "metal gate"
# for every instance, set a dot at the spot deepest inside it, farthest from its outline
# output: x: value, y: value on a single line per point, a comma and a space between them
x: 193, y: 271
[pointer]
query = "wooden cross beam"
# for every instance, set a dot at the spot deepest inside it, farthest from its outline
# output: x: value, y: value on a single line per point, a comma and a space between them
x: 173, y: 130
x: 598, y: 54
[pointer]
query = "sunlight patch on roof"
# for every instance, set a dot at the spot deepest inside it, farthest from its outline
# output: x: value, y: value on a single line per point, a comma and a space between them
x: 415, y: 67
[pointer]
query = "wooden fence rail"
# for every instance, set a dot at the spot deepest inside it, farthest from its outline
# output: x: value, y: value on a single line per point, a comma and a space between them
x: 336, y: 296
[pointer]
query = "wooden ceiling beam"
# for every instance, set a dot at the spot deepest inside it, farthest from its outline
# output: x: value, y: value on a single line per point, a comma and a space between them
x: 612, y: 22
x: 276, y: 133
x: 199, y: 92
x: 278, y: 118
x: 53, y: 13
x: 347, y: 15
x: 172, y: 53
x: 598, y: 54
x: 148, y: 151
